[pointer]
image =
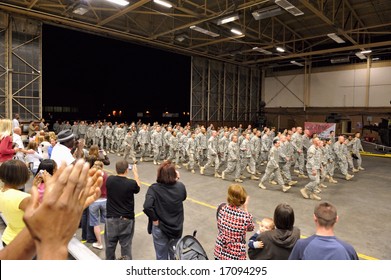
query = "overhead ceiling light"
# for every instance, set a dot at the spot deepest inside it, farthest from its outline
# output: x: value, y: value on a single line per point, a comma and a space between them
x: 181, y: 37
x: 267, y: 12
x: 339, y: 60
x: 375, y: 58
x: 119, y: 2
x: 289, y: 7
x: 262, y: 50
x: 227, y: 19
x: 336, y: 38
x: 366, y: 51
x: 279, y: 49
x: 80, y: 10
x: 236, y: 31
x: 204, y: 31
x: 163, y: 3
x: 360, y: 55
x: 297, y: 63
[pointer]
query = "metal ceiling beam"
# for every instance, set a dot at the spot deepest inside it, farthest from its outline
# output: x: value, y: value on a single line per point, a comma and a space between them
x: 216, y: 41
x: 124, y: 11
x: 32, y: 4
x: 320, y: 52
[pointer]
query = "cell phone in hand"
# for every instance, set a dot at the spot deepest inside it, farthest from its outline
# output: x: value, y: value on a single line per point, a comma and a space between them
x: 130, y: 167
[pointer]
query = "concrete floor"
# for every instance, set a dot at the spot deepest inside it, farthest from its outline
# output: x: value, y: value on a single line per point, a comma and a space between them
x: 363, y: 206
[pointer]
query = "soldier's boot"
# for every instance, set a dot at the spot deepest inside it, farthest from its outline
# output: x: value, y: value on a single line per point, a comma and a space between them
x: 155, y: 162
x: 192, y: 171
x: 361, y: 168
x: 348, y: 177
x: 303, y: 176
x: 242, y: 177
x: 217, y: 175
x: 258, y: 173
x: 327, y: 176
x: 292, y: 183
x: 262, y: 186
x: 354, y: 170
x: 202, y: 169
x: 273, y: 182
x: 141, y: 159
x: 323, y: 186
x: 248, y: 169
x: 285, y: 188
x: 296, y: 171
x: 135, y: 160
x: 304, y: 193
x: 331, y: 180
x: 315, y: 196
x: 237, y: 180
x: 253, y: 177
x: 223, y: 175
x: 317, y: 190
x: 177, y: 166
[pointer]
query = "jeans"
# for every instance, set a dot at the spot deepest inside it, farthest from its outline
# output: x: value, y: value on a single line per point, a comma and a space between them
x: 119, y: 230
x: 162, y: 244
x: 97, y: 210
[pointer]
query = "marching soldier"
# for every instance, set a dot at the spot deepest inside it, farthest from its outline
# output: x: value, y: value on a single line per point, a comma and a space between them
x: 233, y: 160
x: 313, y: 168
x: 340, y: 157
x: 212, y: 155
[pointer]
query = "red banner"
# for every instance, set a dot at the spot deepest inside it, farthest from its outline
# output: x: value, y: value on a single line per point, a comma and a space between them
x: 322, y: 129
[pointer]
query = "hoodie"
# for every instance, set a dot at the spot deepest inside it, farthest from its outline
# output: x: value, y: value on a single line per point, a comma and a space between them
x: 277, y: 244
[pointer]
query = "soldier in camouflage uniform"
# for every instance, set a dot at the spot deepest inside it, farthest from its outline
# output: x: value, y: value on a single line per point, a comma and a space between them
x: 233, y: 160
x: 143, y: 139
x: 129, y: 145
x: 330, y: 157
x: 90, y: 135
x: 255, y: 147
x: 297, y: 143
x: 82, y: 130
x: 273, y: 167
x: 191, y: 151
x: 223, y: 148
x: 108, y: 134
x: 98, y: 137
x: 340, y: 157
x: 157, y: 144
x: 75, y: 129
x: 356, y: 148
x: 213, y: 157
x: 285, y: 160
x: 313, y: 168
x: 245, y: 157
x: 265, y: 146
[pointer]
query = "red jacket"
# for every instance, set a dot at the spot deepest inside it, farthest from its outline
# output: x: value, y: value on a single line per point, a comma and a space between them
x: 6, y: 151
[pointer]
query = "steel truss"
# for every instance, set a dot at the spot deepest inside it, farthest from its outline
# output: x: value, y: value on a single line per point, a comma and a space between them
x: 223, y: 93
x: 20, y: 67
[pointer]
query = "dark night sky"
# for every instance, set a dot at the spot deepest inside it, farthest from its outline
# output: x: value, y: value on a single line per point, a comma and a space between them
x: 100, y: 74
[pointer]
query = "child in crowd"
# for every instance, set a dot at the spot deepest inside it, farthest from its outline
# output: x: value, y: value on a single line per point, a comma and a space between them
x: 33, y: 160
x: 266, y: 224
x: 50, y: 167
x: 13, y: 203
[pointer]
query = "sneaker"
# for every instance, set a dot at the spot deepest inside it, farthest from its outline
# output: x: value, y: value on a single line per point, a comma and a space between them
x: 262, y: 186
x: 238, y: 180
x: 348, y: 177
x: 315, y: 197
x: 285, y: 188
x: 253, y: 177
x: 304, y: 193
x: 202, y: 170
x: 292, y: 183
x: 360, y: 168
x: 217, y: 175
x: 97, y: 246
x: 303, y: 176
x: 223, y: 175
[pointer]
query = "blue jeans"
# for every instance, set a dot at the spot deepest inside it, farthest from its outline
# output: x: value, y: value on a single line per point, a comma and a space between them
x: 119, y: 230
x: 97, y: 210
x: 162, y: 244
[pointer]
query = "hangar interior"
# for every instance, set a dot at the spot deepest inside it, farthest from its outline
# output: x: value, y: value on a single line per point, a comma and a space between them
x: 274, y: 62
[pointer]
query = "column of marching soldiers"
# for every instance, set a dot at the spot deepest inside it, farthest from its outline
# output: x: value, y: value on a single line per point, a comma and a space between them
x: 229, y: 150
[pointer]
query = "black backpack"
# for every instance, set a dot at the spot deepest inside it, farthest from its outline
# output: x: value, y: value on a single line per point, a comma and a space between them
x: 188, y: 248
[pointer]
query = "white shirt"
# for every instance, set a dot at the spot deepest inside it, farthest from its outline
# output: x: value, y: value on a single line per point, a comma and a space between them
x: 15, y: 123
x: 35, y: 159
x: 61, y: 153
x: 18, y: 141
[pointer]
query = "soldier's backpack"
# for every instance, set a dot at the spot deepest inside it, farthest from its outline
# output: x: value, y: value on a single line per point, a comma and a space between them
x: 189, y: 248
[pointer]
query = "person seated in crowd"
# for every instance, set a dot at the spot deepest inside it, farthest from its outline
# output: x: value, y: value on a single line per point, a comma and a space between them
x: 13, y: 202
x: 278, y: 243
x: 72, y: 188
x: 323, y: 245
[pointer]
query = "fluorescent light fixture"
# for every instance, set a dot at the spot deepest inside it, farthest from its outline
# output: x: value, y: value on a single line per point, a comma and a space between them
x: 163, y: 3
x: 204, y: 31
x: 297, y: 63
x: 267, y: 12
x: 262, y: 50
x: 340, y: 60
x: 336, y: 38
x: 227, y: 19
x: 236, y: 31
x: 360, y: 55
x: 181, y: 37
x: 279, y: 49
x: 80, y: 10
x: 289, y: 7
x: 366, y: 51
x: 375, y: 58
x: 119, y: 2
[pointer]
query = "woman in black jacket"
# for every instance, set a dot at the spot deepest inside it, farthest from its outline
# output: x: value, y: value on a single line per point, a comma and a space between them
x: 278, y: 243
x: 164, y: 207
